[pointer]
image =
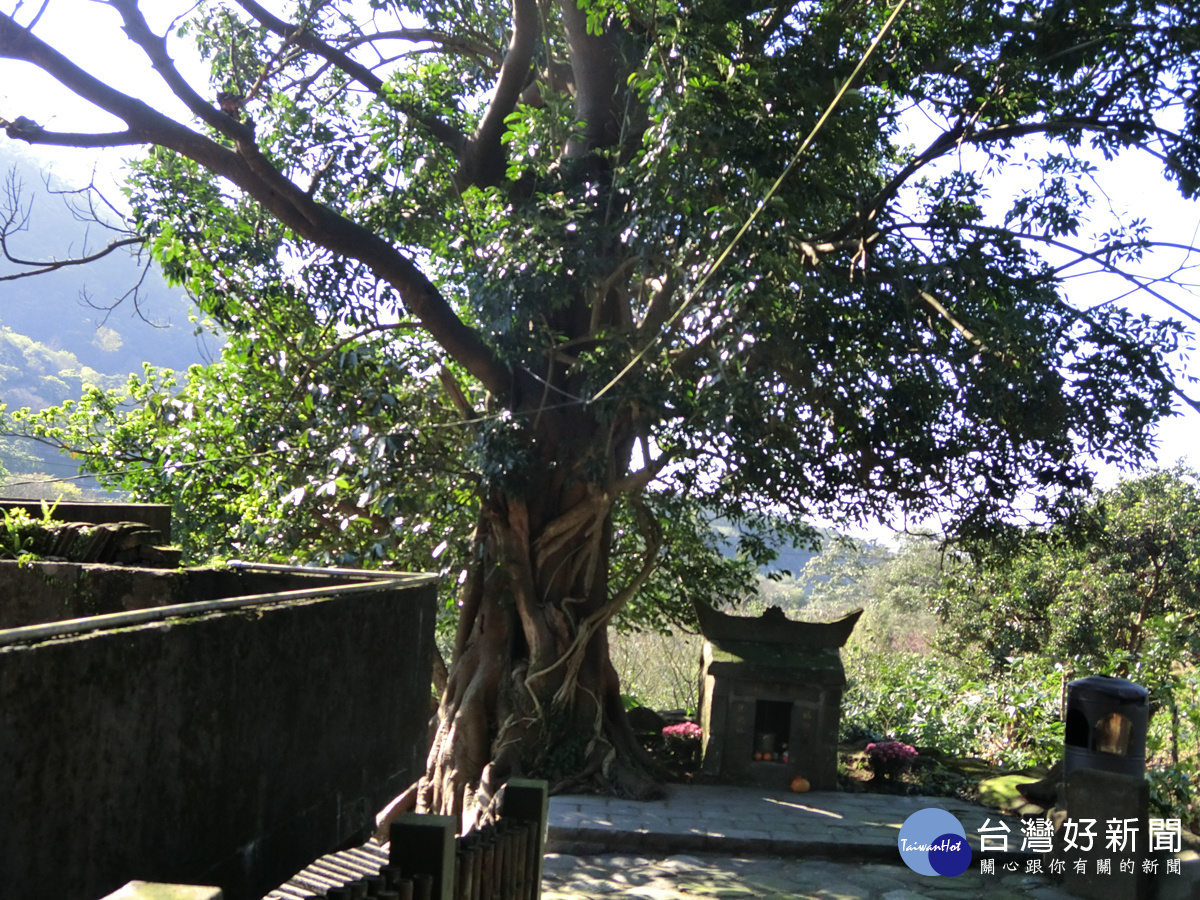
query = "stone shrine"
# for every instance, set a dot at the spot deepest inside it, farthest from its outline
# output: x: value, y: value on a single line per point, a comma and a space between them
x: 771, y: 695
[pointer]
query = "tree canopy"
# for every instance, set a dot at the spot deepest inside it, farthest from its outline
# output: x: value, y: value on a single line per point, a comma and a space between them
x: 1130, y: 578
x: 643, y: 250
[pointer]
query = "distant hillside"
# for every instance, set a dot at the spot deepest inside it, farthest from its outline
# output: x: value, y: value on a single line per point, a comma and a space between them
x: 34, y: 375
x: 790, y: 559
x: 809, y: 573
x: 57, y: 332
x: 68, y: 309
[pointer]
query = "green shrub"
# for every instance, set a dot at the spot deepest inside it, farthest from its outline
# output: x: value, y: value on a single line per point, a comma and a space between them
x: 1011, y: 718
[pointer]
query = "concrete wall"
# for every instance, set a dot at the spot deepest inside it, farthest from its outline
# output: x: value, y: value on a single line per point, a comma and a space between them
x: 40, y: 592
x: 49, y: 592
x: 156, y: 515
x: 229, y: 748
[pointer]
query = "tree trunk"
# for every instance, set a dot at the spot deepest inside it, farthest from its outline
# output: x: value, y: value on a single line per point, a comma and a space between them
x: 531, y: 689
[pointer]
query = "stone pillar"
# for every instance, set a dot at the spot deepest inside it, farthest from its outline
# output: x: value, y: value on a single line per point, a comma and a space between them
x: 424, y: 845
x: 1093, y: 794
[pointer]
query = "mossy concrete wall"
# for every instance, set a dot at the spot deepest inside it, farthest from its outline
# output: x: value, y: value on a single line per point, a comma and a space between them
x: 40, y: 592
x: 228, y: 748
x: 36, y: 593
x: 155, y: 515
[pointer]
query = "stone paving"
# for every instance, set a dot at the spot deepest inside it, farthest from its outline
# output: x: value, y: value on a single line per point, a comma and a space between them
x: 731, y: 842
x: 728, y: 819
x: 682, y: 877
x: 742, y: 843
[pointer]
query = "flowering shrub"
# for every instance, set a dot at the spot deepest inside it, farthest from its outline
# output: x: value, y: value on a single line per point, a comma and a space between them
x: 894, y: 752
x: 890, y: 759
x: 682, y: 731
x: 683, y: 744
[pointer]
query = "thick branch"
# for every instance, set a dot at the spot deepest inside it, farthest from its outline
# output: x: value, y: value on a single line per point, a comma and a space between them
x: 482, y: 160
x: 457, y: 43
x: 306, y: 40
x: 23, y: 129
x: 958, y: 326
x: 770, y: 25
x: 251, y: 172
x: 19, y: 44
x: 457, y: 395
x: 635, y: 482
x: 155, y: 48
x: 594, y: 62
x: 659, y: 309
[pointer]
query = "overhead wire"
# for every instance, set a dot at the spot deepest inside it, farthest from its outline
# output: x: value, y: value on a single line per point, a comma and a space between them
x: 762, y: 204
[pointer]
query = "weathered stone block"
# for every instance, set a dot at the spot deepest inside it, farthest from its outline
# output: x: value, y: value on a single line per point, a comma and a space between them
x: 145, y: 890
x: 1103, y: 796
x: 794, y: 695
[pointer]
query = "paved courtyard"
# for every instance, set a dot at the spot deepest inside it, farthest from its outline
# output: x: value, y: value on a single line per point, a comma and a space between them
x: 733, y: 842
x: 730, y: 842
x: 683, y: 876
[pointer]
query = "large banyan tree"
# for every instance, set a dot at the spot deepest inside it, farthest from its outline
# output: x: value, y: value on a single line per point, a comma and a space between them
x: 761, y: 256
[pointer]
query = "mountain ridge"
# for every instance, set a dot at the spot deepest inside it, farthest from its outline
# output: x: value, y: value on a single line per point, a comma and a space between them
x: 91, y: 324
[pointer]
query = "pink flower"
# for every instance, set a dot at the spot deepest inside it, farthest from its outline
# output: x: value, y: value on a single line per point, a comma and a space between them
x: 684, y: 730
x: 891, y: 751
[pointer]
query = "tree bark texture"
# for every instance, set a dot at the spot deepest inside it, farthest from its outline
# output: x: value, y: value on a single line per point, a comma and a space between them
x: 531, y: 689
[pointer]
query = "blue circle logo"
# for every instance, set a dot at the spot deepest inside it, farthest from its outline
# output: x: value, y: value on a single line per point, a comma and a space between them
x: 933, y: 842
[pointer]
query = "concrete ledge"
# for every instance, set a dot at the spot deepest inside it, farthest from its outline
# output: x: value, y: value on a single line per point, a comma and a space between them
x: 146, y: 890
